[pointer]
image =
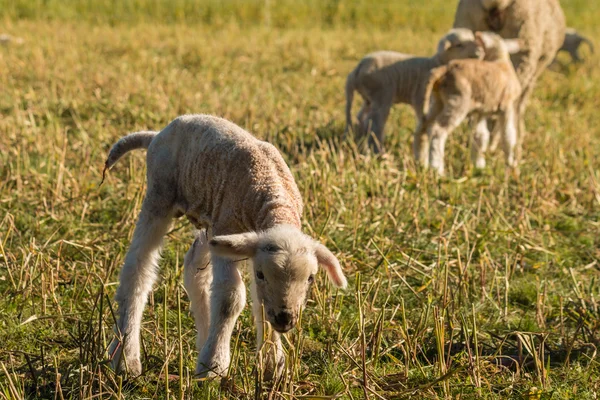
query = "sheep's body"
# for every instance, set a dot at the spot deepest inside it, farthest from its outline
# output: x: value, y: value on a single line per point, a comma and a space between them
x: 221, y: 178
x: 540, y: 26
x: 385, y: 78
x: 572, y: 42
x: 479, y: 88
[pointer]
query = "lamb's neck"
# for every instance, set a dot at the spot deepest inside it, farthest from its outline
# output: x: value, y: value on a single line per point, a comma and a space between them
x: 278, y: 214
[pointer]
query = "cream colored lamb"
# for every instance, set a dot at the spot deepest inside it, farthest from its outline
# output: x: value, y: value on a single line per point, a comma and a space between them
x: 538, y: 24
x: 384, y: 78
x: 241, y: 191
x: 476, y: 88
x: 572, y: 42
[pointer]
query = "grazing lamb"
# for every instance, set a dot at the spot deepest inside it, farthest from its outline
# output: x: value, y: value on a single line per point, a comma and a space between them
x: 240, y: 189
x: 538, y: 24
x: 479, y: 88
x: 572, y: 42
x: 384, y: 78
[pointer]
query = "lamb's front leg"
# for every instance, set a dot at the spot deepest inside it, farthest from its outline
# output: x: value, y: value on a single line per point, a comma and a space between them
x: 271, y: 349
x: 228, y: 297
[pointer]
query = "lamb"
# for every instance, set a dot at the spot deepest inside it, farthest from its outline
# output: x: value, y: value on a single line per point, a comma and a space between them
x: 572, y: 42
x: 384, y: 78
x: 479, y: 88
x: 240, y: 193
x: 538, y: 24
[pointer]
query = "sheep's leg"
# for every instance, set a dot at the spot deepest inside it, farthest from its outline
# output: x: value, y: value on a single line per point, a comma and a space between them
x: 421, y: 143
x: 509, y: 124
x: 362, y: 118
x: 270, y: 350
x: 379, y: 116
x: 420, y: 136
x: 481, y: 138
x: 439, y: 130
x: 197, y: 279
x: 495, y: 134
x: 227, y: 299
x: 135, y: 282
x: 575, y: 54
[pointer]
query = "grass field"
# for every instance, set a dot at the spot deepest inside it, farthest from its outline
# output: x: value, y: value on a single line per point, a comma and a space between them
x: 480, y: 285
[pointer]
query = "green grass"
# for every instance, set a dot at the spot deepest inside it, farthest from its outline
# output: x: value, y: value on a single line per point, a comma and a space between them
x: 476, y: 286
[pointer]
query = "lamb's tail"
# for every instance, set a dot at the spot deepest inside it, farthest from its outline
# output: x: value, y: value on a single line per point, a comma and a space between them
x: 434, y: 77
x: 349, y: 99
x: 127, y: 143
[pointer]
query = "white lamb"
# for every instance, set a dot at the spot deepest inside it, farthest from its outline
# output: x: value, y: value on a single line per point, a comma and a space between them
x: 385, y: 78
x: 239, y: 188
x: 479, y: 88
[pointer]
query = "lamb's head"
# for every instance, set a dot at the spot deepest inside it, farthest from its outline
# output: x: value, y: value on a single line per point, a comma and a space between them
x: 495, y: 47
x: 495, y: 13
x: 458, y: 43
x: 284, y: 262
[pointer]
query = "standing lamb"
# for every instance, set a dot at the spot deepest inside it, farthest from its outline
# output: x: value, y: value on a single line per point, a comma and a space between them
x: 540, y: 26
x: 385, y: 78
x: 479, y: 88
x: 239, y: 188
x: 572, y: 42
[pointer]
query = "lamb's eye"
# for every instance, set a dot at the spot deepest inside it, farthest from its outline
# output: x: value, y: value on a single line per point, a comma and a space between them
x: 260, y: 276
x: 311, y: 279
x: 271, y: 248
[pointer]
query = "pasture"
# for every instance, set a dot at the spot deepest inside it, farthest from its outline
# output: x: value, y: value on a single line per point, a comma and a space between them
x: 478, y: 285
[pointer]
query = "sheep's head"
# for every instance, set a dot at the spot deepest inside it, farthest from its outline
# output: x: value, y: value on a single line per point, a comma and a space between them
x: 495, y: 47
x: 284, y: 262
x: 458, y: 43
x: 495, y: 13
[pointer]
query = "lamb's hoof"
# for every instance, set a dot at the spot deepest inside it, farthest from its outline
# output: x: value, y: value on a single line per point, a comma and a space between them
x: 132, y: 367
x: 273, y: 372
x: 213, y: 371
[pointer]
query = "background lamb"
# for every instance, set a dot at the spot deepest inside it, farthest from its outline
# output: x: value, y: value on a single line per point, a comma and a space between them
x: 221, y: 178
x: 540, y: 26
x: 384, y: 78
x: 473, y: 87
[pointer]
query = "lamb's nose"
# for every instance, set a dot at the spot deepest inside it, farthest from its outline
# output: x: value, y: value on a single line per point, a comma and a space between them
x: 284, y: 319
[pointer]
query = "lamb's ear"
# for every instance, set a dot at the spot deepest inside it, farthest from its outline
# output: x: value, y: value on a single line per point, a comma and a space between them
x: 444, y: 45
x: 513, y: 46
x: 235, y: 246
x: 331, y: 265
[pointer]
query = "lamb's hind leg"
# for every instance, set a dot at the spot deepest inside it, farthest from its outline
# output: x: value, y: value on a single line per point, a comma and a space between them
x: 227, y: 299
x: 197, y: 280
x: 135, y: 282
x: 362, y: 118
x: 509, y: 124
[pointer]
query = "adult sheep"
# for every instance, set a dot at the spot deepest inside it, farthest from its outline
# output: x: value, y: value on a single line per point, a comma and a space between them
x: 540, y: 26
